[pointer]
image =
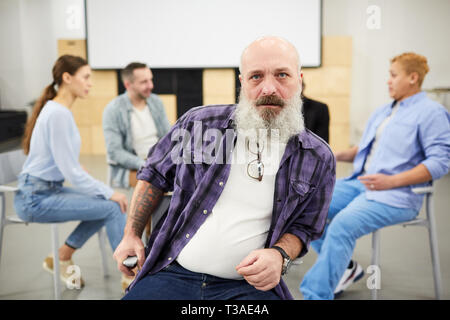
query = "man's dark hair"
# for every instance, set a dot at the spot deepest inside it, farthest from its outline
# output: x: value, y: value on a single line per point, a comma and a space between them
x: 127, y: 72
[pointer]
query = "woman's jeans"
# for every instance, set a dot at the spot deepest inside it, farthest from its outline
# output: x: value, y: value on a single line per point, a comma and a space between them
x: 350, y: 217
x: 48, y: 201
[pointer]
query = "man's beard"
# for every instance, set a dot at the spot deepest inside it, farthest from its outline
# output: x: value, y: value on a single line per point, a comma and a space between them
x: 143, y: 96
x: 284, y: 124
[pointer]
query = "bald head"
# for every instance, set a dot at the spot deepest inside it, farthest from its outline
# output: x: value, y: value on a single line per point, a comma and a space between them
x: 270, y: 45
x: 270, y: 73
x: 271, y: 85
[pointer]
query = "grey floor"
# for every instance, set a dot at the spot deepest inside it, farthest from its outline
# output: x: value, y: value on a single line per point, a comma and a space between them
x: 406, y: 271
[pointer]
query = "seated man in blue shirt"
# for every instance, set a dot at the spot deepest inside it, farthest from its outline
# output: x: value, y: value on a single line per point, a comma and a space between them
x: 132, y: 123
x: 251, y: 189
x: 406, y: 143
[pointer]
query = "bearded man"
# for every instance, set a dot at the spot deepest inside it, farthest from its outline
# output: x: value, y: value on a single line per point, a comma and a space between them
x: 235, y: 223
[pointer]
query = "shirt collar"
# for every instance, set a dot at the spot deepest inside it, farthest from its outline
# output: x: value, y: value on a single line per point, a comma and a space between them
x: 413, y: 99
x: 128, y: 101
x: 229, y: 121
x: 304, y: 139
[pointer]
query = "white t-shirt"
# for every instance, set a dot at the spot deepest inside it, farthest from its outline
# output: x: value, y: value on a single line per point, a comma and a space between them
x: 241, y: 218
x: 378, y: 133
x: 143, y: 130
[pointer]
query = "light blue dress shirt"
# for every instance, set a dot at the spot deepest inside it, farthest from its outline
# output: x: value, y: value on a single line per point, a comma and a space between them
x: 418, y: 133
x: 55, y: 150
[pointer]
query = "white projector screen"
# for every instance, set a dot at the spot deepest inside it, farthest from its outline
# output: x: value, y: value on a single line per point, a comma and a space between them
x: 196, y: 33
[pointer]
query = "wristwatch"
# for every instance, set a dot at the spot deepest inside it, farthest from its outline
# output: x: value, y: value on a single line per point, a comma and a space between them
x: 286, y: 259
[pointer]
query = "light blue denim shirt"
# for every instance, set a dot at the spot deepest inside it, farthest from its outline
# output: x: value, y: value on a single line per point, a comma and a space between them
x: 55, y: 149
x: 121, y: 155
x: 419, y: 133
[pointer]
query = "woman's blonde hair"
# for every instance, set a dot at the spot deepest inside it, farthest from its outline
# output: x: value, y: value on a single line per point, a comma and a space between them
x: 413, y: 62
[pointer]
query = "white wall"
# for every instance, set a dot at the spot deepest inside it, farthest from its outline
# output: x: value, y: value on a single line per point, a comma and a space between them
x: 11, y: 54
x: 29, y: 30
x: 405, y: 25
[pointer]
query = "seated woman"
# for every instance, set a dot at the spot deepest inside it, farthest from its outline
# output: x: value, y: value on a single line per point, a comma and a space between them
x: 52, y: 143
x: 406, y: 142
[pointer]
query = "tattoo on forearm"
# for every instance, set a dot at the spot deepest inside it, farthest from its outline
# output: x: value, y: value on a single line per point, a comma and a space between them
x: 145, y: 201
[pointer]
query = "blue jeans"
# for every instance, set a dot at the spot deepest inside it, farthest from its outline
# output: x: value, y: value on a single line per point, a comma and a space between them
x: 48, y: 201
x: 350, y: 217
x: 176, y: 283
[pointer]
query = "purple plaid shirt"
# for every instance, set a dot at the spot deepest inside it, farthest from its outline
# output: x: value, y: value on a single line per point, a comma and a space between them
x: 303, y: 190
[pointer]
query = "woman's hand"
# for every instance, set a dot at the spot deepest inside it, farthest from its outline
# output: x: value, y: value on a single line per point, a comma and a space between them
x: 121, y: 199
x: 378, y: 181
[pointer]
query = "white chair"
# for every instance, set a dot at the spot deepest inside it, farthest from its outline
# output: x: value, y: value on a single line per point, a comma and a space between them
x: 7, y: 220
x: 430, y: 224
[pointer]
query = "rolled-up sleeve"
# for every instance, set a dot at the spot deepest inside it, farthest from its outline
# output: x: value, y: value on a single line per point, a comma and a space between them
x: 160, y: 167
x: 434, y: 134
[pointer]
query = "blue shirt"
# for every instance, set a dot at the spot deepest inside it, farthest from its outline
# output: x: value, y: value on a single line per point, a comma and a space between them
x: 119, y: 139
x: 303, y: 186
x: 418, y: 133
x: 55, y: 149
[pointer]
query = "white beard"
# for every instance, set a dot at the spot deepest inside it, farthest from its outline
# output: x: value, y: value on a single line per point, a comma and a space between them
x: 287, y: 123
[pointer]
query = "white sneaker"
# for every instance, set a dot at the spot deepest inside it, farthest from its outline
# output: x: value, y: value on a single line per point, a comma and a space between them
x: 351, y: 275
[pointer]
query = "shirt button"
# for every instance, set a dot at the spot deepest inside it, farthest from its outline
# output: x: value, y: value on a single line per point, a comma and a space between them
x: 203, y: 284
x: 221, y: 183
x: 170, y: 258
x: 205, y: 211
x: 187, y: 235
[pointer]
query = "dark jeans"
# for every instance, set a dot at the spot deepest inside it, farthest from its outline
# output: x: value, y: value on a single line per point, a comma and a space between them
x: 176, y: 283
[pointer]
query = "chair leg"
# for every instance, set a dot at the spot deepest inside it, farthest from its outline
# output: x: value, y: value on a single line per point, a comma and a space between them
x: 55, y: 247
x: 148, y: 230
x: 102, y: 241
x: 1, y: 241
x: 2, y: 222
x: 375, y: 257
x: 434, y: 248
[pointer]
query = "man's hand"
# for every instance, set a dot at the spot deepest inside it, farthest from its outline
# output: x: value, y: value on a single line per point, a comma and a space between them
x: 378, y: 181
x: 131, y: 245
x: 262, y: 268
x: 145, y: 200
